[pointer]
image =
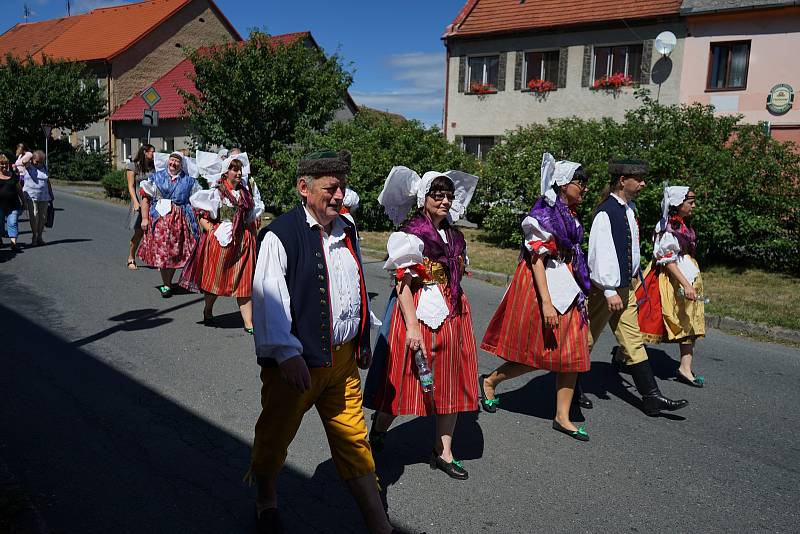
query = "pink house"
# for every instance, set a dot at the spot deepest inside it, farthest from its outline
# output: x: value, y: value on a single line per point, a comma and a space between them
x: 743, y: 56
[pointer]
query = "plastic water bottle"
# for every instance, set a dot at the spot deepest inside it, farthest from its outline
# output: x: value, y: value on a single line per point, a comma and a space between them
x: 700, y: 298
x: 423, y: 371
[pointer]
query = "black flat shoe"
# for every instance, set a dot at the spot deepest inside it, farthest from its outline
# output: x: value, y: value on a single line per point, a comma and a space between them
x: 208, y: 320
x: 698, y: 381
x: 583, y: 401
x: 579, y: 434
x: 488, y: 405
x: 377, y: 440
x: 653, y: 404
x: 269, y: 522
x: 453, y: 469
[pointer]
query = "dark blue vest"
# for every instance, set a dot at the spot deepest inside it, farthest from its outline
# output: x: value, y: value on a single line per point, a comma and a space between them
x: 307, y: 280
x: 621, y: 233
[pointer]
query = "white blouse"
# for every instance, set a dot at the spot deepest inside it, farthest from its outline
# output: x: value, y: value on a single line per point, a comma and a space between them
x: 561, y: 283
x: 603, y: 264
x: 666, y: 249
x: 272, y: 316
x: 406, y: 250
x: 35, y: 183
x: 209, y: 200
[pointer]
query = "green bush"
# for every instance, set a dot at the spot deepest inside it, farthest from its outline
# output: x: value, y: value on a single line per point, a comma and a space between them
x: 116, y: 184
x: 76, y: 164
x: 746, y: 183
x: 378, y: 141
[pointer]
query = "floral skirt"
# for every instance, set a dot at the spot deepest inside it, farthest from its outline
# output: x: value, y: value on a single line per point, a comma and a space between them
x: 452, y: 356
x: 665, y: 316
x: 517, y: 332
x: 169, y: 242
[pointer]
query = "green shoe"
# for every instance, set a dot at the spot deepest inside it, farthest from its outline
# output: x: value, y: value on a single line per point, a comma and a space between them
x: 580, y: 434
x: 166, y: 291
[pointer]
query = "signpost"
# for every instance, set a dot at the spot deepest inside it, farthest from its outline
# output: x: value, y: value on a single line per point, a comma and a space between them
x: 149, y: 115
x: 46, y: 129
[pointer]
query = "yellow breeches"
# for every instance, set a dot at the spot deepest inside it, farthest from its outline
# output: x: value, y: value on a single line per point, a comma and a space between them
x: 336, y: 393
x: 624, y: 324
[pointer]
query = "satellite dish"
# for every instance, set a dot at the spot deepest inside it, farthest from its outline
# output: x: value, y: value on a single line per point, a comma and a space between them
x: 665, y: 43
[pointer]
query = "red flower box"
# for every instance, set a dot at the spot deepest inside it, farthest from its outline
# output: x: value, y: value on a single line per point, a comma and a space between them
x: 482, y: 88
x: 541, y: 86
x: 613, y: 82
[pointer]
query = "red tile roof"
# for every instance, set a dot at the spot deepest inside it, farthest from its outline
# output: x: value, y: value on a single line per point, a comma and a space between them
x: 100, y: 34
x: 171, y: 104
x: 479, y: 17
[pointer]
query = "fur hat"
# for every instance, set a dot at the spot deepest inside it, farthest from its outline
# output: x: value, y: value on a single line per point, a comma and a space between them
x: 324, y: 162
x: 628, y: 167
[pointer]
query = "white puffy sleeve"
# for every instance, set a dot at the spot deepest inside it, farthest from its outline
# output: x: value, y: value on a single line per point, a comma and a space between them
x: 258, y: 204
x: 206, y: 200
x: 405, y: 250
x: 537, y: 240
x: 603, y: 264
x: 666, y: 248
x: 148, y: 188
x: 272, y: 316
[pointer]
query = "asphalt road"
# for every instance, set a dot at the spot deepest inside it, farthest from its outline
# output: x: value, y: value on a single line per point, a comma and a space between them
x: 120, y: 413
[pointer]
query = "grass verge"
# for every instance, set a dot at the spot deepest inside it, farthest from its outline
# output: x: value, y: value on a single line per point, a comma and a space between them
x: 745, y: 294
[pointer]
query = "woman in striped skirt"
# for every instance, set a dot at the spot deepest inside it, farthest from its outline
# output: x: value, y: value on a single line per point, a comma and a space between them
x: 541, y: 322
x: 428, y: 258
x: 224, y: 260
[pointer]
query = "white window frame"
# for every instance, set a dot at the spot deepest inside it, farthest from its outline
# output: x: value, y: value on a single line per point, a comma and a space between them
x: 88, y: 147
x: 609, y: 66
x: 127, y: 148
x: 485, y: 73
x: 541, y: 65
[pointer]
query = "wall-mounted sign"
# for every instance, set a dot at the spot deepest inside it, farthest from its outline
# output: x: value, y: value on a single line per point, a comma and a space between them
x: 780, y: 99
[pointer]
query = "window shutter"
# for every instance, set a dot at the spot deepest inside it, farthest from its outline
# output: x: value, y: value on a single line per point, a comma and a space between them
x: 501, y: 72
x: 563, y: 55
x: 462, y: 73
x: 518, y: 70
x: 647, y: 58
x: 586, y: 72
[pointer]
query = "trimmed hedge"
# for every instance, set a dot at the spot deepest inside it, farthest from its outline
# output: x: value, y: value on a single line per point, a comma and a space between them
x: 76, y: 164
x: 116, y: 184
x: 748, y: 206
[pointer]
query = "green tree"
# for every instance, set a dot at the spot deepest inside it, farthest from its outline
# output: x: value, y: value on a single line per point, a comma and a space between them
x: 378, y: 141
x: 55, y: 92
x: 261, y: 95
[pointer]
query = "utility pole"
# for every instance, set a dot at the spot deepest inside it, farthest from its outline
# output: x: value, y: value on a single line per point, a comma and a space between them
x: 69, y: 8
x: 26, y: 11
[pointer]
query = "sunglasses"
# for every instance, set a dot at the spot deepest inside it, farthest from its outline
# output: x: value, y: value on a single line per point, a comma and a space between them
x: 441, y: 195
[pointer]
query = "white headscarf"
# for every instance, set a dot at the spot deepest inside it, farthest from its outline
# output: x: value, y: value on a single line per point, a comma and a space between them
x: 404, y: 188
x: 189, y: 165
x: 555, y: 173
x: 350, y: 199
x: 673, y: 196
x: 212, y: 166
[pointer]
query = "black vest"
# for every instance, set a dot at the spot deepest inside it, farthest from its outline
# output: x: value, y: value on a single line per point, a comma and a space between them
x: 621, y: 234
x: 307, y: 280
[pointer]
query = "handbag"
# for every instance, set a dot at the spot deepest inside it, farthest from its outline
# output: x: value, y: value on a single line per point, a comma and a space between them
x: 51, y: 215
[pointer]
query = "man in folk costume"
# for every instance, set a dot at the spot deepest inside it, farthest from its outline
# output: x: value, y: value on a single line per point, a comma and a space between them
x: 614, y: 263
x: 311, y: 331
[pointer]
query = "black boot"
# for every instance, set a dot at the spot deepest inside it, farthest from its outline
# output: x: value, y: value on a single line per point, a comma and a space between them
x: 652, y: 399
x: 580, y: 398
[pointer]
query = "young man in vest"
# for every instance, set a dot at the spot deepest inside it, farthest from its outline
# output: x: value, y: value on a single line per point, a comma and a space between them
x: 311, y: 322
x: 614, y: 263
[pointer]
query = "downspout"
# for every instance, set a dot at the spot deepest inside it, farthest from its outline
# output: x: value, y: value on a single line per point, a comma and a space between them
x: 111, y: 144
x: 446, y: 86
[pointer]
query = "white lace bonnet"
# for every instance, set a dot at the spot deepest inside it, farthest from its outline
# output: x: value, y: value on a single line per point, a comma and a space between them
x: 212, y: 165
x: 189, y: 165
x: 674, y: 195
x: 404, y: 189
x: 555, y: 172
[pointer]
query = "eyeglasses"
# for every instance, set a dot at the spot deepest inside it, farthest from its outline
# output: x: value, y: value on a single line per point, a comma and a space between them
x: 580, y: 185
x: 438, y: 196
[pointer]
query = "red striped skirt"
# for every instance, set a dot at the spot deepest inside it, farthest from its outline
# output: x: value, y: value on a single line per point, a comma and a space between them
x: 228, y: 271
x: 516, y: 332
x: 453, y: 358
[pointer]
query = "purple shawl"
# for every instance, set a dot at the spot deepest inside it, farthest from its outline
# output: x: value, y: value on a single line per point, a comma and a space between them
x: 686, y: 236
x: 448, y: 254
x: 560, y: 222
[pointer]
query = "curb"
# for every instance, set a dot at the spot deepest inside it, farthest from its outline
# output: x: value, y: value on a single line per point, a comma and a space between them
x: 727, y: 324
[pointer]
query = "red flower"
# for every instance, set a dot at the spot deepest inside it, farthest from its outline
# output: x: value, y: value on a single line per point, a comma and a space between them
x: 481, y: 88
x: 613, y: 82
x: 541, y: 86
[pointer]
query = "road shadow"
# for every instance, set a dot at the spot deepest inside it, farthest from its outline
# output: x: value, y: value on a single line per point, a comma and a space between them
x: 63, y: 241
x: 537, y: 398
x: 228, y: 320
x: 101, y: 452
x: 411, y: 442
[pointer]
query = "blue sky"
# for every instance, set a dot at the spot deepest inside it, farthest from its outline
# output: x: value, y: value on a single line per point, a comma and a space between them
x: 395, y: 47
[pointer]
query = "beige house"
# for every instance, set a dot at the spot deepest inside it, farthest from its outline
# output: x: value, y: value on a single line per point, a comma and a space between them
x: 127, y: 47
x: 498, y: 50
